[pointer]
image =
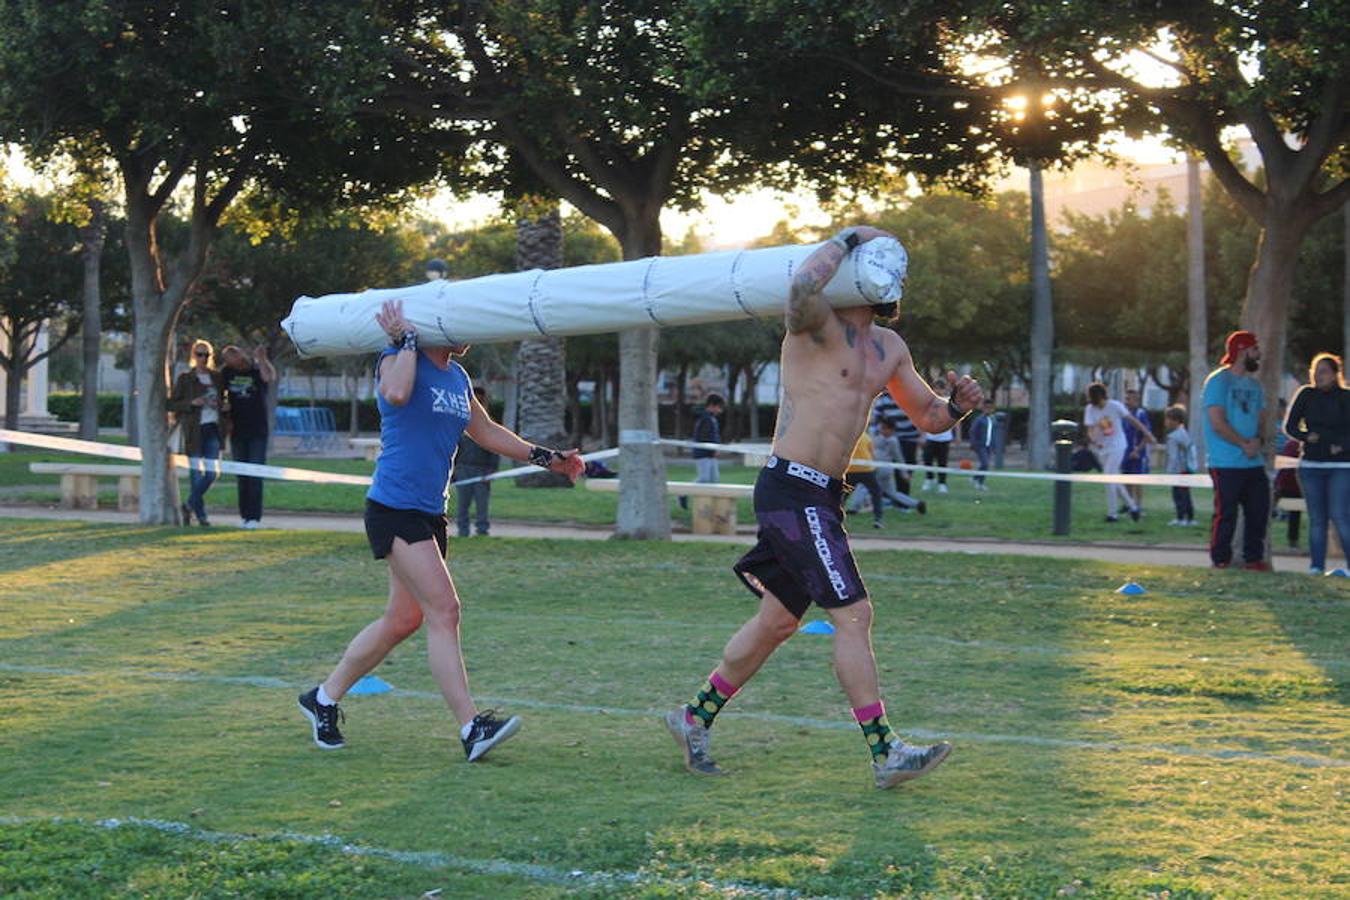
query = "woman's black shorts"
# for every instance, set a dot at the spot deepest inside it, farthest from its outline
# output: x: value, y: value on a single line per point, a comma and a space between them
x: 384, y: 523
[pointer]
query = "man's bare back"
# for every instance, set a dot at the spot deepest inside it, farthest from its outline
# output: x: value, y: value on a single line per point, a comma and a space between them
x: 835, y: 362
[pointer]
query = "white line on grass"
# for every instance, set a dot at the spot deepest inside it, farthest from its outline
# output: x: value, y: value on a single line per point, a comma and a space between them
x: 1293, y: 759
x: 428, y: 859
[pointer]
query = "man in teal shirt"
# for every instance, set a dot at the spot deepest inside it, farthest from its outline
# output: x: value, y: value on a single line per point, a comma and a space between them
x: 1234, y: 421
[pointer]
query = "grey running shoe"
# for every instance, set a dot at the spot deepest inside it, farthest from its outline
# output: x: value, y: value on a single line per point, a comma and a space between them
x: 905, y: 762
x: 486, y: 732
x: 694, y: 741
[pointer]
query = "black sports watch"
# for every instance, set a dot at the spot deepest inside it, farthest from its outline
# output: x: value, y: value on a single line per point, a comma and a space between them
x: 847, y: 239
x: 955, y: 411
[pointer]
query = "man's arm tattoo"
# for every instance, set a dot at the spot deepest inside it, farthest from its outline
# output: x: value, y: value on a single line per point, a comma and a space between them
x: 784, y: 417
x: 804, y: 298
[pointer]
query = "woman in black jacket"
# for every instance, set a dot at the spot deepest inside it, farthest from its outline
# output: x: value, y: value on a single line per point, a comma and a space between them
x: 1319, y: 418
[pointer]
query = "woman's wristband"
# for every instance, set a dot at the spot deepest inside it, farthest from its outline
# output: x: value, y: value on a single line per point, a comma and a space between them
x: 408, y: 341
x: 955, y: 411
x: 542, y: 457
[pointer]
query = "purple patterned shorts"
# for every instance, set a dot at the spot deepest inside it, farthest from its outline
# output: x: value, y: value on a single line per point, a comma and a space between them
x: 802, y: 556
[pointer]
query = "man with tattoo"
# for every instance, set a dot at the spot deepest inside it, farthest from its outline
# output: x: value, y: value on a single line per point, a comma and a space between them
x: 834, y: 363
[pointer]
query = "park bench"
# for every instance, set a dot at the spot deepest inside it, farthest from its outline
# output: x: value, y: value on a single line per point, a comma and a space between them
x: 1299, y: 505
x: 713, y: 507
x: 312, y: 427
x: 79, y: 483
x: 369, y: 446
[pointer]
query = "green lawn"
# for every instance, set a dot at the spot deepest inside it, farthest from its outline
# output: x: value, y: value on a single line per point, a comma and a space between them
x: 1014, y: 509
x: 1191, y: 741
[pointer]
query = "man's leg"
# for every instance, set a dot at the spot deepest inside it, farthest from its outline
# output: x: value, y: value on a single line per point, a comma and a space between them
x: 1256, y: 514
x: 855, y: 665
x: 1225, y: 516
x: 420, y: 567
x: 942, y: 454
x: 482, y: 497
x: 747, y: 650
x: 463, y: 498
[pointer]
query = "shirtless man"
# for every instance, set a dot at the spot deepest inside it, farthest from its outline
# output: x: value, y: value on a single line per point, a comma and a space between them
x: 834, y: 363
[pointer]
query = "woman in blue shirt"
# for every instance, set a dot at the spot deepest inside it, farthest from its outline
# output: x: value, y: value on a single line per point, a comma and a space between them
x: 426, y: 402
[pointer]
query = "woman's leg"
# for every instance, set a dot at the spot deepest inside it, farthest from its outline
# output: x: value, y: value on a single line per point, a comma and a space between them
x: 402, y: 616
x: 1338, y: 497
x: 421, y: 568
x: 1316, y: 487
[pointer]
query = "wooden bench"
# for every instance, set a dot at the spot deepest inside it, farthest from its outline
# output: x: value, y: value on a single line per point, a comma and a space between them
x: 79, y: 483
x: 714, y: 505
x: 370, y: 446
x: 1299, y: 505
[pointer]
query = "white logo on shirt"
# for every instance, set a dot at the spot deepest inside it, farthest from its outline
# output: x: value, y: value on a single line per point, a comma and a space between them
x: 442, y: 401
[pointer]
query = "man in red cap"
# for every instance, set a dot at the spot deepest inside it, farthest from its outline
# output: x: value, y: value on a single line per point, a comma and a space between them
x: 1234, y: 421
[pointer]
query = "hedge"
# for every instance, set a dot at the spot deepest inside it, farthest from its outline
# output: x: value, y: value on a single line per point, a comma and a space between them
x: 66, y: 408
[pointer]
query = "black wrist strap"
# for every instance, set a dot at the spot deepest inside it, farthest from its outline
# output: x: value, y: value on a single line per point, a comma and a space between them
x: 542, y: 457
x: 408, y: 341
x: 955, y: 411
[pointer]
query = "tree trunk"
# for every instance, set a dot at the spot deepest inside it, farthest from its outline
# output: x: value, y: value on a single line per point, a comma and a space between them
x: 92, y: 238
x: 1042, y: 330
x: 14, y: 384
x: 1197, y: 306
x: 354, y: 404
x: 681, y: 388
x: 1345, y: 291
x: 1270, y: 287
x: 644, y: 513
x: 542, y: 385
x: 154, y: 315
x: 752, y: 374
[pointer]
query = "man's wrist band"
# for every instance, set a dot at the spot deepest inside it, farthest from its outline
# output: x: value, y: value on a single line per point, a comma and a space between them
x: 955, y: 411
x: 542, y: 456
x: 408, y: 341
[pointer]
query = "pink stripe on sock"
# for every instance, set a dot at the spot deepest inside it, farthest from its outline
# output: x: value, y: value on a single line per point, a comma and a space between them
x: 866, y: 713
x: 721, y: 685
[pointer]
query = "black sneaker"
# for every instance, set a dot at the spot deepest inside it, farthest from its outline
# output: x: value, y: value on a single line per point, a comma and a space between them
x: 324, y: 720
x: 187, y: 514
x: 1136, y: 513
x: 922, y: 508
x: 487, y: 731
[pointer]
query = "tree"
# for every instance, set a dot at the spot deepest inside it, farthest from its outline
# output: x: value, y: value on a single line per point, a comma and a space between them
x: 541, y: 382
x: 1278, y: 69
x: 39, y: 280
x: 199, y: 101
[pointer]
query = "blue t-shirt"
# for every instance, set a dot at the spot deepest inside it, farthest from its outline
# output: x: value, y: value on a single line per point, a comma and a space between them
x: 1241, y: 399
x: 418, y: 439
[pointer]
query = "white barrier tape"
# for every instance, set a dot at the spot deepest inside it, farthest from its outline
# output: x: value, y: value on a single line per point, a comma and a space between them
x: 133, y: 454
x: 278, y: 473
x: 1194, y: 481
x: 525, y: 470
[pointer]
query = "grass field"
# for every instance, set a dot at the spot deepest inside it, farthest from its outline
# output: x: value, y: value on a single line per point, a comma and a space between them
x: 1013, y: 509
x: 1188, y: 743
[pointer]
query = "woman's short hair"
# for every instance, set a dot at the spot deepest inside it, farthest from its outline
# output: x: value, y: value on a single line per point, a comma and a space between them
x: 1096, y: 391
x: 1331, y: 359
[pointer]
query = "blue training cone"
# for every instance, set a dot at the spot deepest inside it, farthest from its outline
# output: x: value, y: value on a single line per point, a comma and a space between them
x: 1131, y: 589
x: 371, y: 684
x: 820, y: 626
x: 1339, y: 573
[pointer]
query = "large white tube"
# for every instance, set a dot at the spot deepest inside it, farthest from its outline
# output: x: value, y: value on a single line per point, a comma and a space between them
x: 661, y: 290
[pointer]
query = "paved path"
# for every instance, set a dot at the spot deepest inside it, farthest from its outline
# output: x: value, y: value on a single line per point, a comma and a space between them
x: 1140, y: 554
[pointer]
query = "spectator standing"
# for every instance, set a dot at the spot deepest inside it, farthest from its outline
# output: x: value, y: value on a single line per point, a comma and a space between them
x: 1106, y: 421
x: 937, y: 450
x: 1180, y: 461
x: 1286, y: 485
x: 1234, y: 420
x: 707, y: 430
x: 983, y: 435
x: 1136, y: 448
x: 245, y: 382
x: 1319, y: 418
x: 196, y: 399
x: 472, y: 462
x: 906, y: 435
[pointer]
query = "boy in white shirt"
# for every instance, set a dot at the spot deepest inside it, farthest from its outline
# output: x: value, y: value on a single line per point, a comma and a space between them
x: 1106, y: 421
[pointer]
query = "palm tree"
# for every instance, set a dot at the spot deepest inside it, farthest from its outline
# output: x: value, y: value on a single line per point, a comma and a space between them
x: 541, y: 379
